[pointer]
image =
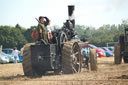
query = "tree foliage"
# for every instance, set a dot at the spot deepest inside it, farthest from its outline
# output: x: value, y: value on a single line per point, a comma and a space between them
x: 102, y: 35
x: 11, y: 37
x: 19, y: 36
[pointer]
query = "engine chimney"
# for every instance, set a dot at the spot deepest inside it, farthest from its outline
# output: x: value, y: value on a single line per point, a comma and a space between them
x: 71, y: 9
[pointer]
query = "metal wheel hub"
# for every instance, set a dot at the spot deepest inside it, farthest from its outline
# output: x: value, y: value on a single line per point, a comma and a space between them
x: 74, y: 59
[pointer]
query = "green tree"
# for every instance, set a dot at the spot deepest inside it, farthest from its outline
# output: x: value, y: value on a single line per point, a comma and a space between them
x: 11, y: 37
x: 28, y: 33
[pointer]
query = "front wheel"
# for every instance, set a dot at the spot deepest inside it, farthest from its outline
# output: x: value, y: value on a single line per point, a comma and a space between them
x: 71, y: 58
x: 93, y: 60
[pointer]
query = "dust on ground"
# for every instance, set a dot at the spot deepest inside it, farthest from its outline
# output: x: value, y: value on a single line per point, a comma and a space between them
x: 108, y: 74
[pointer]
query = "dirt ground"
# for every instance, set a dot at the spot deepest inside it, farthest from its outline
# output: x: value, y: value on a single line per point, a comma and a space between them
x: 107, y: 74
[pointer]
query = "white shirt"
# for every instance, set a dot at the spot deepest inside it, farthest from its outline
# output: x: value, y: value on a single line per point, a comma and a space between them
x: 85, y: 51
x: 15, y: 53
x: 48, y: 28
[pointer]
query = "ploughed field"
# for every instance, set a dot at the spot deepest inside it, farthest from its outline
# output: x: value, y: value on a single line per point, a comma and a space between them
x: 107, y: 74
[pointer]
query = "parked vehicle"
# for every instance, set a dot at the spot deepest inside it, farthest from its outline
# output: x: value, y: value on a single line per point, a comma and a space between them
x: 111, y: 49
x: 99, y: 51
x: 4, y: 58
x: 10, y: 57
x: 8, y: 51
x: 108, y: 52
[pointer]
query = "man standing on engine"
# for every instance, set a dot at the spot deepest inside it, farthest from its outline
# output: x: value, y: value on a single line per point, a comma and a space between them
x: 43, y: 22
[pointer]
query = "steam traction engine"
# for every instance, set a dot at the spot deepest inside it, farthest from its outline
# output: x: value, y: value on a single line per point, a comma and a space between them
x: 63, y: 54
x: 121, y: 48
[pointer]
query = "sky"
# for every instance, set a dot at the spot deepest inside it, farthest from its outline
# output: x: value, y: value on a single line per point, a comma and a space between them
x: 87, y: 12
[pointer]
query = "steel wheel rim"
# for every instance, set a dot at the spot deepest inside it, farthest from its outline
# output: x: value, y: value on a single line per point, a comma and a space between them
x: 76, y: 58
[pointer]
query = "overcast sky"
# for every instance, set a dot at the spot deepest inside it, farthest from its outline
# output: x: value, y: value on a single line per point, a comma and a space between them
x: 87, y: 12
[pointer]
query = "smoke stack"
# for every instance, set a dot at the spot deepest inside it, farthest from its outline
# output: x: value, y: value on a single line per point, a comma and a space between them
x: 71, y: 9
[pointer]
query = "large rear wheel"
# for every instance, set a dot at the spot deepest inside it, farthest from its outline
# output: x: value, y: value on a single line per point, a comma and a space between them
x: 27, y: 62
x: 27, y: 65
x: 71, y: 58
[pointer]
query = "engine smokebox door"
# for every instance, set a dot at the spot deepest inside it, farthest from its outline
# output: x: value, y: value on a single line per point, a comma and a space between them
x: 40, y: 57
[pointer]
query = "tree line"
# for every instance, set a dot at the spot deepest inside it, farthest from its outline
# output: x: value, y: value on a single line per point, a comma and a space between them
x: 104, y: 34
x: 18, y: 36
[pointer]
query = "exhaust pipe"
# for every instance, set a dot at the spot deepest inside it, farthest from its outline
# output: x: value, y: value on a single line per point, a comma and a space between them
x: 71, y: 9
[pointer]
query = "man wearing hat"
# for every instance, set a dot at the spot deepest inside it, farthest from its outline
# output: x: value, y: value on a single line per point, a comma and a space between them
x: 43, y: 22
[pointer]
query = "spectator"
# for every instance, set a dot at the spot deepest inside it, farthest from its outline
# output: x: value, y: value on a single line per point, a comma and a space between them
x: 85, y: 52
x: 15, y: 54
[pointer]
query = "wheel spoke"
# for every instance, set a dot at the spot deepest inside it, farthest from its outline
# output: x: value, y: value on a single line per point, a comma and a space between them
x: 76, y: 53
x: 74, y: 56
x: 74, y: 69
x: 78, y: 63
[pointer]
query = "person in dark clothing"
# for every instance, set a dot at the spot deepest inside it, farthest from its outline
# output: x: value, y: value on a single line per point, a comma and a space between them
x: 43, y: 22
x: 85, y: 53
